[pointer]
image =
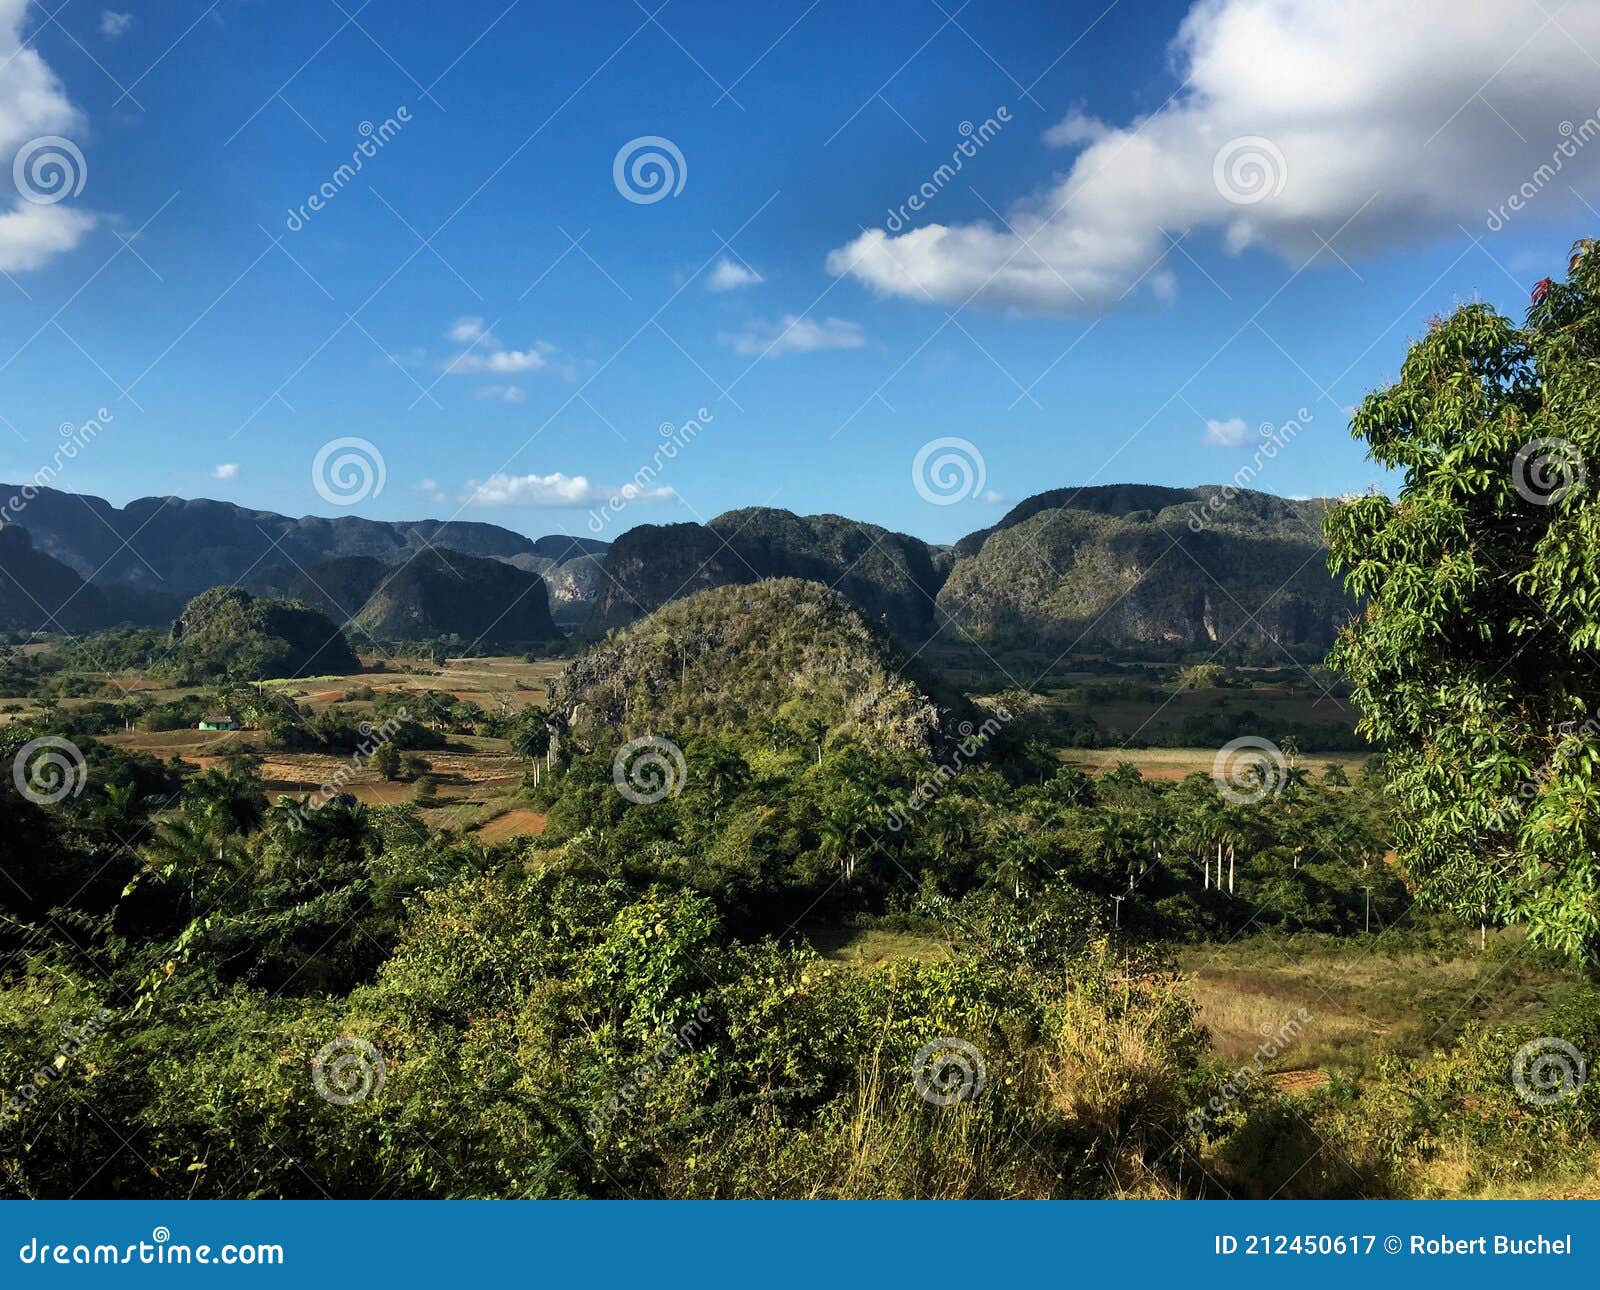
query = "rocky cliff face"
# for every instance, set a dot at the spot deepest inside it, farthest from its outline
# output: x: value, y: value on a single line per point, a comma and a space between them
x: 431, y: 594
x: 572, y: 581
x: 1067, y: 578
x: 889, y: 577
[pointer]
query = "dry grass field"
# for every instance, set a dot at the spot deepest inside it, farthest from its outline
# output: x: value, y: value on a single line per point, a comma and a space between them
x: 1175, y: 763
x: 476, y: 777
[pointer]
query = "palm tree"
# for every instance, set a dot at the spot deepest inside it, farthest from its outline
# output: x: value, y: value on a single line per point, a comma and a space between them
x: 816, y: 731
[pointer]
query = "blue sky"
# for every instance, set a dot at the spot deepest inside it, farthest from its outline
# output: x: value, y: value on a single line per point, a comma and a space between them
x: 1159, y: 322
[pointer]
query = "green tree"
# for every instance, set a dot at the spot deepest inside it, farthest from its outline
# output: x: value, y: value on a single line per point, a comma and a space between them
x: 1475, y: 660
x: 386, y: 761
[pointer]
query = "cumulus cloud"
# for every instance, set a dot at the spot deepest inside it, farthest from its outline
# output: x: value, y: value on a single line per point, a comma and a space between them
x: 503, y: 394
x: 466, y: 330
x: 497, y: 360
x: 113, y: 24
x: 1225, y: 434
x: 228, y: 470
x: 486, y: 354
x: 728, y: 276
x: 33, y: 103
x: 553, y: 492
x: 793, y: 334
x: 1371, y: 123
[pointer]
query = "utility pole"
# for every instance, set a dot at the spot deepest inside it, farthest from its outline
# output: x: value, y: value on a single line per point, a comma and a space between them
x: 1117, y: 921
x: 1368, y: 890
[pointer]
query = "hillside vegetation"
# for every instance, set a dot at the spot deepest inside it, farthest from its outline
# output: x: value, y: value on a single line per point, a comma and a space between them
x: 226, y: 632
x: 745, y: 657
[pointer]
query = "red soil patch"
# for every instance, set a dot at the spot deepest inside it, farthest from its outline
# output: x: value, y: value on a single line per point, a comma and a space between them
x: 520, y: 823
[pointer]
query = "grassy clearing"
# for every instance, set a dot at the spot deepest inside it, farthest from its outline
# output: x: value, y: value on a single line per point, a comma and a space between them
x: 1364, y: 1000
x: 1175, y: 763
x: 871, y: 946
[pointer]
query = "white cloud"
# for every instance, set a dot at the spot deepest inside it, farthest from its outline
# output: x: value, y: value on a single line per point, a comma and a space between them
x: 793, y: 334
x: 553, y: 491
x: 1394, y: 122
x: 33, y: 102
x: 1075, y: 128
x: 113, y: 24
x: 728, y: 276
x: 1225, y: 434
x: 993, y: 496
x: 466, y: 330
x: 503, y: 394
x: 228, y: 470
x: 486, y: 354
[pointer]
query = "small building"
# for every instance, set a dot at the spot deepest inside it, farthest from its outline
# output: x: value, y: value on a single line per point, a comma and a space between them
x: 217, y: 721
